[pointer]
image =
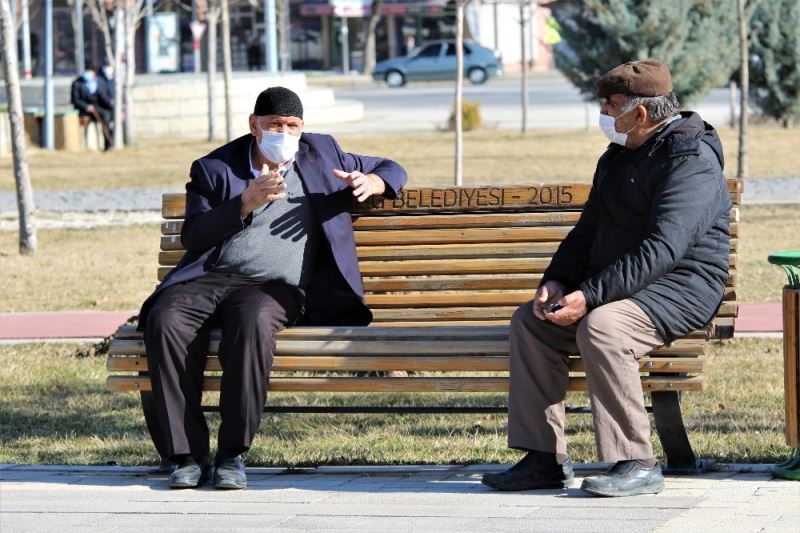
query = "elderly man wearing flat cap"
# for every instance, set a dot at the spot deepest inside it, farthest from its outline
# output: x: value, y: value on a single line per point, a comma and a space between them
x: 269, y: 242
x: 646, y: 263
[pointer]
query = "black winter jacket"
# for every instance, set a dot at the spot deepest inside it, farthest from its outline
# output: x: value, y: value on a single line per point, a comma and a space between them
x: 655, y: 229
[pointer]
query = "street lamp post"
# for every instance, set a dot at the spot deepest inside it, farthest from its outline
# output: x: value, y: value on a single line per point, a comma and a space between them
x: 26, y: 41
x: 80, y: 58
x: 49, y: 133
x: 344, y: 33
x: 270, y: 37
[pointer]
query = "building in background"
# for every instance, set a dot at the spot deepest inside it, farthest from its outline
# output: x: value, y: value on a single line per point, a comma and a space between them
x: 316, y: 29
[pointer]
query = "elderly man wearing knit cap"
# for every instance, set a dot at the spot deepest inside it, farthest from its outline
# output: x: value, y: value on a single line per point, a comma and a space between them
x: 646, y: 263
x: 269, y: 242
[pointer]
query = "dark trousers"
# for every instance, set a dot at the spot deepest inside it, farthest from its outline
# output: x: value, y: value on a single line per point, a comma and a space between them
x: 250, y: 313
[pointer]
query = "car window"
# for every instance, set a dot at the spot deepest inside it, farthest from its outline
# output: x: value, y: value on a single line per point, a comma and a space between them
x: 432, y: 50
x: 451, y: 49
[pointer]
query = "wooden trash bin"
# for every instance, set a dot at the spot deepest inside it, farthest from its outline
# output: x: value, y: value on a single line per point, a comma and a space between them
x: 790, y: 262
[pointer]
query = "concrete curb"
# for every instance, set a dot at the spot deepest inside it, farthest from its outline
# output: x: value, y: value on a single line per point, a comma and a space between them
x: 367, y: 470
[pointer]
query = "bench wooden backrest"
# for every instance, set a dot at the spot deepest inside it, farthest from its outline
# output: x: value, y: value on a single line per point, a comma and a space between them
x: 458, y: 256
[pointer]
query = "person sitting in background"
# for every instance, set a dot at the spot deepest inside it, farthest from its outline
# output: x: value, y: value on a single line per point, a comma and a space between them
x: 85, y: 96
x: 106, y: 94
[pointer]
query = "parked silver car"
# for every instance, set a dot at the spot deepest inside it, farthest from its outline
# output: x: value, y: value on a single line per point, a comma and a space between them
x: 436, y: 60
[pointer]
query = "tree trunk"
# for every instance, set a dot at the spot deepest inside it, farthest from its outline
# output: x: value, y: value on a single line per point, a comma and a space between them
x: 369, y: 48
x: 25, y: 206
x: 744, y: 88
x: 459, y: 89
x: 283, y: 34
x: 524, y: 63
x: 226, y: 67
x: 212, y: 18
x: 119, y: 29
x: 130, y: 70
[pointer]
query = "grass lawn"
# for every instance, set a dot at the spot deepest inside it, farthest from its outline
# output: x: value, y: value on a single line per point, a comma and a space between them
x: 539, y: 156
x: 114, y: 268
x: 54, y: 409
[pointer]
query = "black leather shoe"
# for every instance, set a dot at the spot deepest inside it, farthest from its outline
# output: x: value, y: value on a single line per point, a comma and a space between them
x: 534, y: 471
x: 626, y: 478
x: 229, y: 473
x: 188, y: 474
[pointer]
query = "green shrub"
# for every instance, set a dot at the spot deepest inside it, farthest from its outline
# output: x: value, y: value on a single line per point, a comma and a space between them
x: 470, y: 116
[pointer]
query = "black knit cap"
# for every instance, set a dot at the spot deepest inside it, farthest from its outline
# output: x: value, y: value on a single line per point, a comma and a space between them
x: 278, y: 101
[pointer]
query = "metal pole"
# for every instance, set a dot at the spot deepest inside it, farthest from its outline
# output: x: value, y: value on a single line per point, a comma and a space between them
x: 49, y: 133
x: 196, y: 49
x: 496, y: 28
x: 524, y: 60
x: 459, y: 87
x: 148, y: 32
x: 344, y: 33
x: 80, y: 58
x: 286, y: 32
x: 271, y: 37
x: 26, y: 41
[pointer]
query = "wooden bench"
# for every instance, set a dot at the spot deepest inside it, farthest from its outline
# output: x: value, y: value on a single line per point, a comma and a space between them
x: 443, y: 270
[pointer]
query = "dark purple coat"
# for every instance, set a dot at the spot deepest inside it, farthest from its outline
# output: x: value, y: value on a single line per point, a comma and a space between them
x: 335, y: 295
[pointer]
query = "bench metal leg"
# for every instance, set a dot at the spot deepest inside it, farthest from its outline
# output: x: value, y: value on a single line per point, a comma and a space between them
x: 672, y: 432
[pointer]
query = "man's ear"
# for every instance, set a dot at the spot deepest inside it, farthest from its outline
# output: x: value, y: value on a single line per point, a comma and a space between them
x: 253, y: 125
x: 642, y: 116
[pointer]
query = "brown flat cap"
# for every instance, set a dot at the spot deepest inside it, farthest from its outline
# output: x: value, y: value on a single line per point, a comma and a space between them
x: 636, y: 78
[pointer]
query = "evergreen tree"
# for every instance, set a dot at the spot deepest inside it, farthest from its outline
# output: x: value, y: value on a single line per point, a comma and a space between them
x: 693, y: 37
x: 775, y: 60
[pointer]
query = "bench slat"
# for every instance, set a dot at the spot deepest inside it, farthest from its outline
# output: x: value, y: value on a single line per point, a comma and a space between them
x: 394, y: 347
x: 174, y: 204
x: 728, y: 309
x: 467, y: 220
x: 479, y: 363
x: 440, y: 333
x: 415, y: 384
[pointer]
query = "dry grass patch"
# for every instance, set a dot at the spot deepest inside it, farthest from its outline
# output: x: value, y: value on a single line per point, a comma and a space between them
x: 110, y: 268
x: 765, y: 229
x: 490, y: 156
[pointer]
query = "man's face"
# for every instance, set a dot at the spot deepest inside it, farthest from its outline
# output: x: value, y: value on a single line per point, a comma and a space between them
x: 276, y: 124
x: 614, y: 106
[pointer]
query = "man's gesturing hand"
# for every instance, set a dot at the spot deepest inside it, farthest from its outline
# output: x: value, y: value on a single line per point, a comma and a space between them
x: 266, y: 188
x: 364, y: 185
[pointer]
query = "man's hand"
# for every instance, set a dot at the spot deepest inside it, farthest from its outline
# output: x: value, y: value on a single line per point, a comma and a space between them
x: 90, y: 108
x: 573, y: 308
x: 267, y: 187
x: 364, y: 185
x: 547, y: 293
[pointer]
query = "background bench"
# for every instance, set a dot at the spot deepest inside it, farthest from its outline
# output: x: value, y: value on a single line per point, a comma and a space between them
x: 444, y: 269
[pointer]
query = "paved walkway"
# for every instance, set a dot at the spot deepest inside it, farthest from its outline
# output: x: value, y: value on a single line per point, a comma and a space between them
x: 398, y: 499
x: 754, y: 319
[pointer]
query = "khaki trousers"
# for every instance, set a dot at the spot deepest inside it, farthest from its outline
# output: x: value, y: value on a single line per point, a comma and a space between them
x: 610, y: 339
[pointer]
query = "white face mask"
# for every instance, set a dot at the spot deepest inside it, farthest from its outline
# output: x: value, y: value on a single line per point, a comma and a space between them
x: 278, y: 147
x: 608, y: 125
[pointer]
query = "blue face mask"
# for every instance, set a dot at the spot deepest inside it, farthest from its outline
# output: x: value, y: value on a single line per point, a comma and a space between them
x: 278, y: 147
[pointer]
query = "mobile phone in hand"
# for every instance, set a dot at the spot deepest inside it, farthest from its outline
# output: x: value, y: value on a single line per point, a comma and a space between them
x: 552, y: 308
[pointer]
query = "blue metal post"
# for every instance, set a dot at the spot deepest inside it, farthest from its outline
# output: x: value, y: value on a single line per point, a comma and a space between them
x: 49, y: 131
